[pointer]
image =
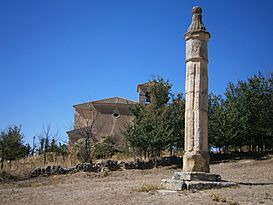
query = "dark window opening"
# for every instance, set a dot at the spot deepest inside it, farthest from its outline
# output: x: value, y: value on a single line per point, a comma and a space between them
x: 116, y: 115
x: 147, y: 98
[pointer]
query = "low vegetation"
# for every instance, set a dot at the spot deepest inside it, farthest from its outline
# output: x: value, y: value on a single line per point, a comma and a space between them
x: 146, y: 187
x: 219, y: 198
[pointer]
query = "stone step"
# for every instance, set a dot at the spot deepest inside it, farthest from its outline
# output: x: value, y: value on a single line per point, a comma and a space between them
x: 178, y: 185
x: 196, y: 176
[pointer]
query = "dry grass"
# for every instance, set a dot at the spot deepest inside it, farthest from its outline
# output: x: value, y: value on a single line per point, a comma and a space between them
x: 35, y: 182
x: 22, y: 168
x: 219, y: 198
x: 148, y: 187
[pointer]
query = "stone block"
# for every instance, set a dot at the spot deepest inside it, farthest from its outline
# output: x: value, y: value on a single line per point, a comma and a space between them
x: 178, y: 185
x: 196, y: 176
x: 196, y: 162
x: 199, y: 185
x: 170, y: 184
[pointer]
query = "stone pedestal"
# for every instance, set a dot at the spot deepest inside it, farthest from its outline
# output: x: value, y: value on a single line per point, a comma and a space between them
x: 195, y: 173
x: 178, y: 185
x: 196, y: 162
x: 194, y: 180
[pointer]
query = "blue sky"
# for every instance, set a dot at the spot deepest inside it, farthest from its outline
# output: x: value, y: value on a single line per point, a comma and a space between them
x: 57, y: 53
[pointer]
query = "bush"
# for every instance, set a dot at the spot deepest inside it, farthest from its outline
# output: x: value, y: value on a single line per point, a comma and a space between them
x: 103, y: 150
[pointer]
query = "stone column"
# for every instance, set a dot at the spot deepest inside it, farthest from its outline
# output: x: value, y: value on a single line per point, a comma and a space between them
x: 195, y: 173
x: 196, y: 157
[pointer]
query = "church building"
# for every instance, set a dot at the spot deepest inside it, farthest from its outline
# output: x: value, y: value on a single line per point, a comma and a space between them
x: 106, y: 117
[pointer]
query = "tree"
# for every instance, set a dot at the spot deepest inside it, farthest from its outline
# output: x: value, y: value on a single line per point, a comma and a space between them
x: 48, y: 142
x: 257, y: 95
x: 62, y: 150
x: 244, y: 117
x: 85, y: 145
x: 105, y: 148
x: 135, y: 132
x: 217, y: 121
x: 11, y: 144
x: 153, y: 129
x: 175, y: 120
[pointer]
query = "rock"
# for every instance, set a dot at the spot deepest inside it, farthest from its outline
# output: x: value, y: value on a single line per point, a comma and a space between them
x: 112, y: 165
x: 35, y: 172
x: 88, y: 167
x: 5, y: 177
x: 55, y: 169
x: 48, y: 170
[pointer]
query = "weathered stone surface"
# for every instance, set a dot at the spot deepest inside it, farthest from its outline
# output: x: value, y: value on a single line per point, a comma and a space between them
x: 196, y: 176
x: 178, y: 185
x: 172, y: 184
x: 196, y: 162
x: 196, y: 24
x: 199, y: 185
x: 196, y: 48
x: 195, y: 173
x: 196, y: 157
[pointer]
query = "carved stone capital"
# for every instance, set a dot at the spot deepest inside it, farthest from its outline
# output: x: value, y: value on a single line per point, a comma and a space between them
x: 195, y: 49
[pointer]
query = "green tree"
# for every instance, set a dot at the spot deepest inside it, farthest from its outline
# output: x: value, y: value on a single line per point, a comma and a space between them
x: 106, y: 148
x: 175, y: 121
x: 244, y: 117
x: 135, y: 132
x: 217, y: 122
x: 62, y: 150
x: 11, y: 144
x: 153, y: 129
x: 256, y: 96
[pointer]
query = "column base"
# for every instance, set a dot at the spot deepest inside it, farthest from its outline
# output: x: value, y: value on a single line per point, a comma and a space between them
x: 194, y: 181
x: 196, y: 162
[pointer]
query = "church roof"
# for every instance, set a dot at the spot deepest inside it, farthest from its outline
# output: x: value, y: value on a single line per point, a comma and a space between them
x: 114, y: 100
x: 107, y: 101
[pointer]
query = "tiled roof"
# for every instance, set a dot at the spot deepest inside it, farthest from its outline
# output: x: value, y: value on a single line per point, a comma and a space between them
x: 114, y: 100
x: 107, y: 101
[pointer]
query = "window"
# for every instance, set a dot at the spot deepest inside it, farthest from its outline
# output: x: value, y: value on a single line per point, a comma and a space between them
x: 116, y: 113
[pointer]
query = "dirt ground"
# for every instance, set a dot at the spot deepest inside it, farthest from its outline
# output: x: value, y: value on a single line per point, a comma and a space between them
x: 128, y: 187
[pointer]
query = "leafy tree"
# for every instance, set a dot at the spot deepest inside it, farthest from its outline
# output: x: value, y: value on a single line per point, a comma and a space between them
x: 244, y: 117
x: 104, y: 149
x: 135, y: 132
x: 256, y: 96
x: 84, y: 148
x: 154, y: 126
x: 217, y: 126
x: 175, y: 121
x: 11, y: 144
x: 53, y: 146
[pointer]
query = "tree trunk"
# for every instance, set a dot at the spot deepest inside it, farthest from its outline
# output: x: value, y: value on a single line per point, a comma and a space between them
x: 2, y: 163
x: 263, y: 144
x: 44, y: 158
x: 171, y: 151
